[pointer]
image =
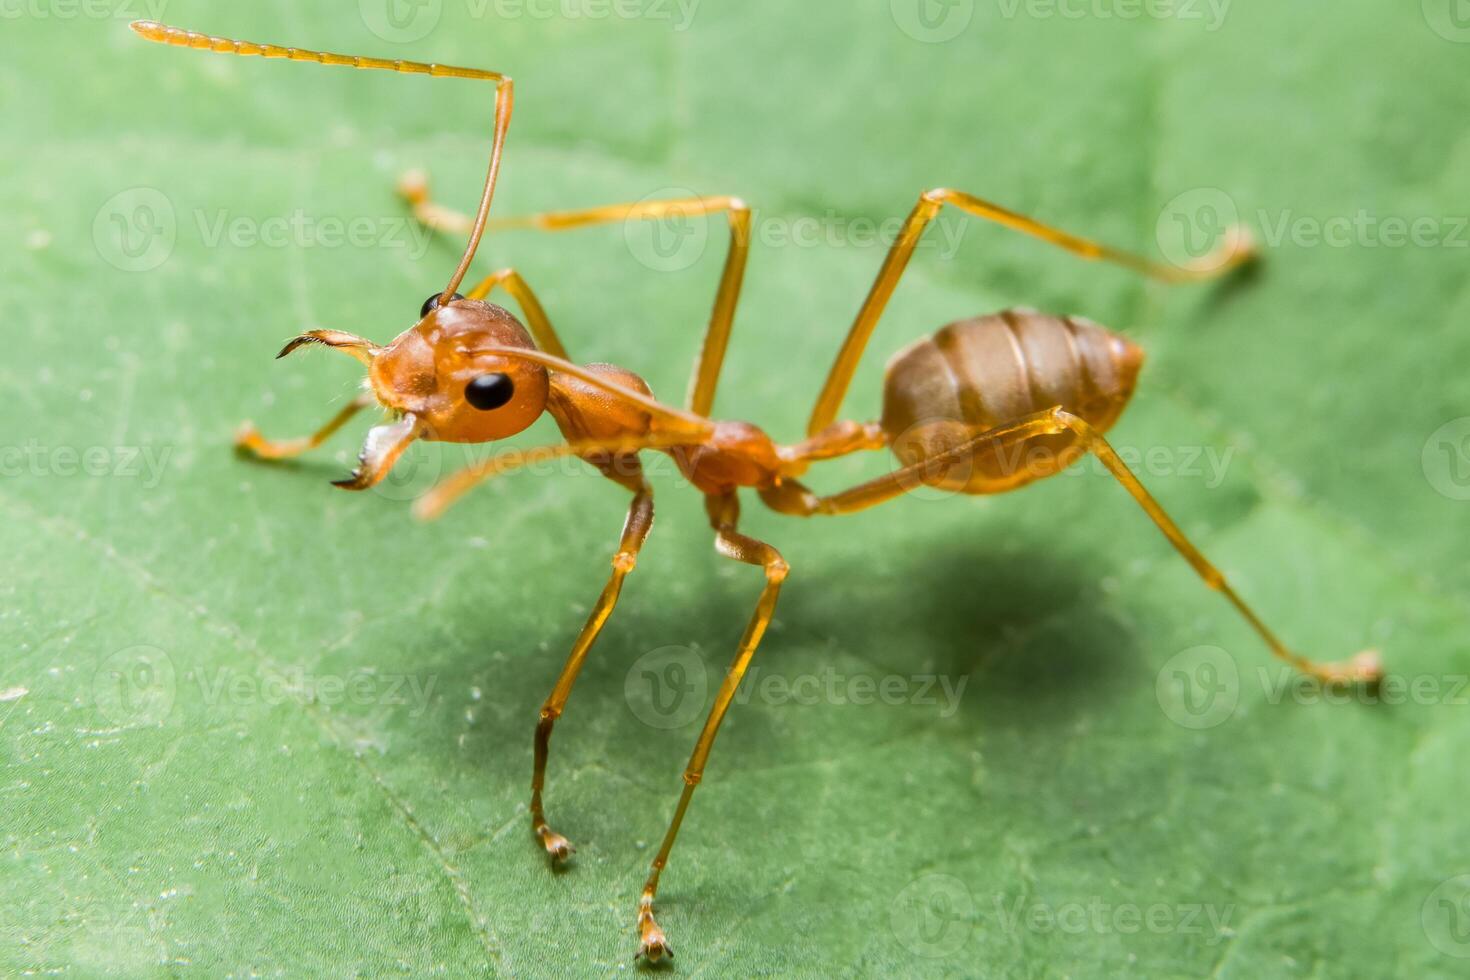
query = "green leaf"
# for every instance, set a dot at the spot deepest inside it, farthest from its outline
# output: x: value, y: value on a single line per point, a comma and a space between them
x: 249, y: 724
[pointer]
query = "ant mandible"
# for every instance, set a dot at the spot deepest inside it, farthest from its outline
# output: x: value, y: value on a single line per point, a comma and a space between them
x: 960, y: 409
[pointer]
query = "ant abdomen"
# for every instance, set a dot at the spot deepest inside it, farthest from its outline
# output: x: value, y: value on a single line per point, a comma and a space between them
x: 976, y: 374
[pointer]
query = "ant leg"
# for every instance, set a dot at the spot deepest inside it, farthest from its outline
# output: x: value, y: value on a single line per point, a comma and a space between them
x: 793, y: 498
x: 724, y: 512
x: 635, y: 532
x: 510, y: 280
x: 414, y: 188
x: 249, y: 440
x: 1363, y: 668
x: 1236, y: 250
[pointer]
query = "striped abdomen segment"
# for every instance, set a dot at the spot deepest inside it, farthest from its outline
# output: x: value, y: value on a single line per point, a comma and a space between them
x: 976, y: 374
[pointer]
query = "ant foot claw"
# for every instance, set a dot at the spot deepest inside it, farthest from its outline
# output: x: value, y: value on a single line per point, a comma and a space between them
x: 558, y: 848
x: 1364, y: 668
x: 653, y: 945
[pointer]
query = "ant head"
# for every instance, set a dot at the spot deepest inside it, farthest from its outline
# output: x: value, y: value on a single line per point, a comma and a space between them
x: 438, y: 372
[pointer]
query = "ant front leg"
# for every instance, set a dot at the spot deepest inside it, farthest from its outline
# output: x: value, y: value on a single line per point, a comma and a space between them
x: 635, y: 532
x: 724, y: 512
x: 249, y: 441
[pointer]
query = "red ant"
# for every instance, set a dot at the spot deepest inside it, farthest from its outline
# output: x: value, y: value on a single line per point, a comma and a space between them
x: 959, y: 409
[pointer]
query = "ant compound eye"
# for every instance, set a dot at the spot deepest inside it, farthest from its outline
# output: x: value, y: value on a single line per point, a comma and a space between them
x: 490, y: 391
x: 432, y: 303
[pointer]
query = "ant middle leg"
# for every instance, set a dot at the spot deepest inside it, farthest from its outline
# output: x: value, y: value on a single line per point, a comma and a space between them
x: 414, y: 188
x: 536, y: 319
x: 624, y: 470
x: 724, y: 514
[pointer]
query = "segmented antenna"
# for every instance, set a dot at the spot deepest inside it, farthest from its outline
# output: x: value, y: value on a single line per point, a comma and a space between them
x: 504, y: 100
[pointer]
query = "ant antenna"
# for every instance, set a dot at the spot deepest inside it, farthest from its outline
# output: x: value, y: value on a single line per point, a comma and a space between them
x: 504, y: 101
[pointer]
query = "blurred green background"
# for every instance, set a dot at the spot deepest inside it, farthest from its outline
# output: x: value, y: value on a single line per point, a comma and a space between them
x: 250, y: 724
